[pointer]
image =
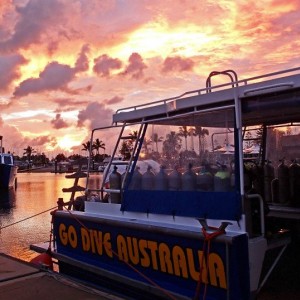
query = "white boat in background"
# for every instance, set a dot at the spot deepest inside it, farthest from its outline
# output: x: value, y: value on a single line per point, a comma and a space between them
x: 8, y: 171
x: 198, y: 227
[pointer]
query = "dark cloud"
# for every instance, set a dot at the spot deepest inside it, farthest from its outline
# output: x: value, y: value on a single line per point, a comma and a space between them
x: 58, y: 122
x: 54, y: 76
x: 41, y: 141
x: 96, y: 114
x: 114, y: 100
x: 177, y: 63
x: 82, y: 63
x: 34, y: 19
x: 9, y: 69
x: 104, y: 64
x: 63, y: 102
x: 136, y: 66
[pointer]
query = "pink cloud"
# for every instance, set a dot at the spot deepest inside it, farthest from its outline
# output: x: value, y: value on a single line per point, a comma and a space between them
x: 54, y: 76
x: 136, y: 66
x: 104, y: 64
x: 9, y: 66
x: 95, y: 114
x: 32, y: 21
x: 114, y: 100
x: 82, y: 63
x: 177, y: 63
x: 58, y: 122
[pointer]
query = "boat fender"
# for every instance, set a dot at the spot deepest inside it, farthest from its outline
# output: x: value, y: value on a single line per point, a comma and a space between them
x: 148, y: 179
x: 161, y: 180
x: 189, y: 179
x: 174, y: 180
x: 115, y: 181
x: 43, y: 260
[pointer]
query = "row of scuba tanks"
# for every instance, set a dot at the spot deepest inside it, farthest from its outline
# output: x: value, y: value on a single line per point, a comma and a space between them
x: 221, y: 181
x: 281, y: 189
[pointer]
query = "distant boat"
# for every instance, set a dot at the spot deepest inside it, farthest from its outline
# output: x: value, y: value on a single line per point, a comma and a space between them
x: 8, y: 171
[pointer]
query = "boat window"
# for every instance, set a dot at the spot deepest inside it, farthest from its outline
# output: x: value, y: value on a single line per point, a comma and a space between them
x: 7, y: 160
x: 272, y: 162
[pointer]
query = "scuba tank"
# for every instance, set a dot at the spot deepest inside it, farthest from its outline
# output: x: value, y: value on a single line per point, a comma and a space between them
x: 161, y: 180
x: 174, y: 180
x: 115, y: 183
x: 205, y: 180
x: 136, y: 180
x: 222, y: 180
x: 269, y: 175
x: 258, y: 179
x: 189, y: 179
x: 148, y: 179
x: 294, y: 177
x: 283, y: 183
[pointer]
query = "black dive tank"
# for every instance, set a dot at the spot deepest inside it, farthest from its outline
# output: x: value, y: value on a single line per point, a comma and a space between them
x: 115, y: 184
x: 161, y: 180
x: 136, y: 180
x: 283, y: 183
x: 294, y: 176
x: 174, y: 180
x: 269, y: 175
x: 189, y: 179
x: 258, y: 179
x: 148, y: 179
x: 205, y: 180
x: 222, y: 180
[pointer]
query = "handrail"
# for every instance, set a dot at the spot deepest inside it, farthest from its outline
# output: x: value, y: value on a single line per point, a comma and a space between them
x: 267, y: 87
x: 205, y: 90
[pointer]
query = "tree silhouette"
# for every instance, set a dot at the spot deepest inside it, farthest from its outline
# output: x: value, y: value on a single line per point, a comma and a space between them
x: 98, y: 144
x: 171, y: 145
x: 156, y: 140
x: 183, y: 131
x: 28, y: 152
x: 201, y: 132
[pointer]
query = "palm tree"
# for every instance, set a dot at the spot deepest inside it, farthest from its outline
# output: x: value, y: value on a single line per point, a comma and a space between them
x: 201, y: 132
x: 28, y: 152
x: 156, y: 140
x: 87, y: 147
x: 98, y: 144
x: 192, y: 133
x: 146, y: 143
x: 183, y: 131
x: 171, y: 145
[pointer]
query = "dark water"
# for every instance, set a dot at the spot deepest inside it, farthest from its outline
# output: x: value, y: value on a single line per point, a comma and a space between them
x: 35, y: 193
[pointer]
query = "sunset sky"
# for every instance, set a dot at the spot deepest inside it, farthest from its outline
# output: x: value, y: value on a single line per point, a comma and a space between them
x: 67, y: 65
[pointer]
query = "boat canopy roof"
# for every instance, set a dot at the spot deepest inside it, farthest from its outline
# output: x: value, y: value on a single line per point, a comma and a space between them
x: 259, y: 97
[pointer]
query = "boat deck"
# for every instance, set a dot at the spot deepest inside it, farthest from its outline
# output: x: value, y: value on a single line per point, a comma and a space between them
x: 21, y: 280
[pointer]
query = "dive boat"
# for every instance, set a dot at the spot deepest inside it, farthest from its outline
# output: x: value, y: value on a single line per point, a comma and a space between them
x: 8, y: 171
x: 197, y: 228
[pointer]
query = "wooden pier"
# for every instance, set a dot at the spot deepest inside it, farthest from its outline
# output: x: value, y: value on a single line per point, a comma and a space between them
x: 20, y: 280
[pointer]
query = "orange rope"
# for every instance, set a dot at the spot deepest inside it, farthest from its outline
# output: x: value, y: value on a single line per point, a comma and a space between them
x: 208, y: 237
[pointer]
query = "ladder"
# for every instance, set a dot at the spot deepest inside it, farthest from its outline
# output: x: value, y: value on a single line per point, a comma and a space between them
x: 137, y: 141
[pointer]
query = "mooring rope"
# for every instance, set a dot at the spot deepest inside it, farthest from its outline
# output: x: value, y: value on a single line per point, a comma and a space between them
x: 50, y: 209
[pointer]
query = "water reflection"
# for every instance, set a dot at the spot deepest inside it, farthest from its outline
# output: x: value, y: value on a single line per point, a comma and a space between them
x: 36, y: 193
x: 7, y: 200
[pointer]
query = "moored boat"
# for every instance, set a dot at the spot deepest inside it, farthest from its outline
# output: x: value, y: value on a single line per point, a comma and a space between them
x: 8, y: 171
x: 198, y: 227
